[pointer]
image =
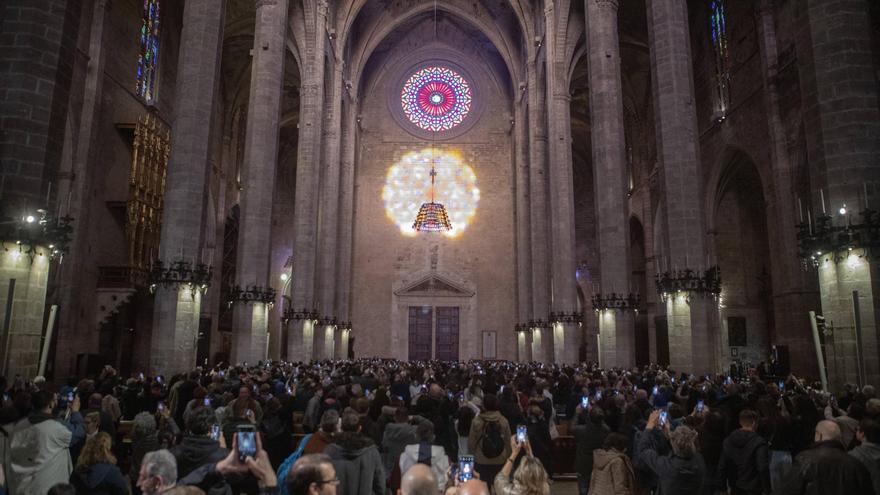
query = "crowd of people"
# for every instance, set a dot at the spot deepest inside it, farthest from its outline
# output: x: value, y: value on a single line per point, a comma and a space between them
x: 376, y: 427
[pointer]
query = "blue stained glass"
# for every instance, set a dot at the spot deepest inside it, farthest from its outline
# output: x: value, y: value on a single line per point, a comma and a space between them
x: 147, y: 69
x: 718, y: 33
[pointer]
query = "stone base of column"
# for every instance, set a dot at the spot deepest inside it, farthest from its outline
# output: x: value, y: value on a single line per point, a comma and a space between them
x: 342, y: 344
x: 523, y: 347
x: 301, y: 341
x: 542, y: 342
x: 691, y: 341
x: 617, y: 333
x: 31, y: 274
x: 175, y: 328
x: 837, y: 282
x: 566, y: 343
x: 251, y: 323
x: 325, y: 341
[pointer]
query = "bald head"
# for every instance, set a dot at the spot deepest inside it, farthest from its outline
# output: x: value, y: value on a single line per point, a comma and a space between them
x: 418, y: 480
x: 827, y: 430
x: 473, y: 487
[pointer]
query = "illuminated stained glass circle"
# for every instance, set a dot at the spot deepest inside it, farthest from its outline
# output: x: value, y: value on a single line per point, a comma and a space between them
x: 408, y: 185
x: 436, y: 98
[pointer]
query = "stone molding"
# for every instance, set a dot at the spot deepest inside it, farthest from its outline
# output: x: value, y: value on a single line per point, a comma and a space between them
x: 258, y: 4
x: 608, y: 4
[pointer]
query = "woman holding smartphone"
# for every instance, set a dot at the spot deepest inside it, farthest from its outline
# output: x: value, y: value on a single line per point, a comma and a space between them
x: 529, y: 478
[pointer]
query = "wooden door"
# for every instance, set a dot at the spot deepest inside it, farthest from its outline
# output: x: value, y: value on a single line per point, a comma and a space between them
x: 420, y: 320
x: 447, y: 334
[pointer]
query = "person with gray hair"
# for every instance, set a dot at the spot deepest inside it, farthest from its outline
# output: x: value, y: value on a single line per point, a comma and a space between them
x: 319, y: 440
x: 158, y: 472
x: 146, y: 439
x: 681, y: 472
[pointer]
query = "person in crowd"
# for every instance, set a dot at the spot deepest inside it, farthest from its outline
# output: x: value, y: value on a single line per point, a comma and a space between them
x: 145, y: 440
x: 745, y: 458
x: 423, y: 451
x: 868, y: 450
x: 397, y: 436
x: 418, y: 480
x: 312, y: 474
x: 39, y: 446
x: 436, y: 407
x: 158, y: 472
x: 488, y: 439
x: 197, y: 447
x: 356, y: 459
x: 612, y: 470
x: 182, y: 392
x: 589, y: 433
x: 318, y: 441
x: 776, y: 426
x: 538, y: 428
x: 530, y: 478
x: 96, y: 472
x: 313, y: 410
x: 825, y: 468
x: 683, y: 471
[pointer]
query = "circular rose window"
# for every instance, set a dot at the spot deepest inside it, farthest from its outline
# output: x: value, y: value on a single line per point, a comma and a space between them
x: 436, y: 98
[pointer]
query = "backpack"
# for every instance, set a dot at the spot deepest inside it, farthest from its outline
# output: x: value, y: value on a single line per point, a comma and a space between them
x: 491, y: 443
x: 288, y: 463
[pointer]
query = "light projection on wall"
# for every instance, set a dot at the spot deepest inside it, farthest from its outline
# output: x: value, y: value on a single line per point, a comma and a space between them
x: 436, y: 98
x: 408, y: 185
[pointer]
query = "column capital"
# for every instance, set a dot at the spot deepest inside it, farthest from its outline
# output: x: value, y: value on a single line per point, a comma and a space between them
x: 322, y: 8
x: 607, y: 4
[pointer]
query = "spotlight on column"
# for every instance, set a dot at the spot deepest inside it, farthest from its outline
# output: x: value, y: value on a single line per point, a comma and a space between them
x: 842, y: 210
x: 30, y: 219
x: 284, y: 277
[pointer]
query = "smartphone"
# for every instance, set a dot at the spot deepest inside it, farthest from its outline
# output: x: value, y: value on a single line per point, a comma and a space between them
x: 521, y: 434
x: 781, y: 386
x: 585, y: 402
x: 664, y: 416
x: 159, y: 379
x: 673, y: 380
x: 366, y: 392
x: 70, y: 398
x: 656, y: 390
x: 207, y: 402
x: 289, y: 390
x: 141, y: 375
x: 598, y: 396
x: 215, y: 433
x: 450, y: 395
x: 161, y: 406
x: 465, y: 468
x: 248, y: 413
x: 635, y: 388
x: 246, y: 436
x: 700, y: 406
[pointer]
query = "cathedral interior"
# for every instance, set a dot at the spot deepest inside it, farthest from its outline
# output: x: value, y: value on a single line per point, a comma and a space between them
x: 686, y: 182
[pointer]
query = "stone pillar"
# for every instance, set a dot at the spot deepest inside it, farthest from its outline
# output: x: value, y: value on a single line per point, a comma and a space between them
x: 538, y: 192
x: 523, y: 346
x: 329, y: 213
x: 300, y: 341
x: 259, y: 174
x: 691, y: 347
x: 791, y: 284
x: 176, y: 317
x: 616, y: 328
x: 539, y: 348
x: 342, y: 348
x: 28, y: 274
x: 842, y: 125
x: 523, y: 240
x: 346, y: 211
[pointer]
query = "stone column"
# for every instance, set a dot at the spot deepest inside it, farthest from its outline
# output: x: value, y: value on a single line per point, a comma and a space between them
x: 538, y: 219
x: 842, y: 125
x: 329, y: 213
x: 301, y: 338
x: 346, y: 213
x: 690, y: 343
x: 616, y: 328
x: 523, y: 346
x: 523, y: 237
x: 258, y: 177
x: 176, y: 317
x: 566, y: 336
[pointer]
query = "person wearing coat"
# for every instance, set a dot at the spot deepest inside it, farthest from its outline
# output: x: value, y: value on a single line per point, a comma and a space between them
x: 589, y: 433
x: 612, y: 470
x: 680, y: 473
x: 824, y: 468
x: 356, y: 459
x: 745, y: 458
x: 39, y: 447
x: 488, y: 467
x: 397, y: 436
x: 868, y: 451
x: 96, y: 472
x: 425, y: 452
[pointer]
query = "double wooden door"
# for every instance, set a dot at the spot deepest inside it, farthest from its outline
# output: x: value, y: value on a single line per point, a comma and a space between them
x: 433, y: 333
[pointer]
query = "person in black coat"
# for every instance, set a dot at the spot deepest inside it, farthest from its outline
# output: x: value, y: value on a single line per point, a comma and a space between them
x: 680, y: 473
x: 825, y: 468
x: 589, y: 434
x: 197, y: 447
x: 745, y: 458
x: 539, y: 437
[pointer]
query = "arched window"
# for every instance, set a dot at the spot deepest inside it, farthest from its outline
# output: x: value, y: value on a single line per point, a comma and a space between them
x: 718, y: 32
x: 148, y: 59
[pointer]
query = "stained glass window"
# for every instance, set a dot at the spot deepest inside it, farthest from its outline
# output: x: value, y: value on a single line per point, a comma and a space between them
x: 148, y: 58
x: 436, y: 98
x: 718, y: 31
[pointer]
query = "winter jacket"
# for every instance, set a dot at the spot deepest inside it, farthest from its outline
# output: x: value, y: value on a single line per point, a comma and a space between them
x: 99, y: 479
x: 612, y: 473
x: 478, y: 426
x: 358, y: 464
x: 869, y: 454
x: 395, y: 439
x: 675, y: 475
x: 825, y: 469
x: 439, y: 462
x: 141, y: 446
x: 588, y: 437
x: 745, y: 463
x: 196, y: 451
x: 39, y: 453
x: 317, y: 443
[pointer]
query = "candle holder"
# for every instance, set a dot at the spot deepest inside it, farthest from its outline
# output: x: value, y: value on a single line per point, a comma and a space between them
x: 539, y: 324
x: 180, y: 272
x: 825, y: 238
x: 252, y: 294
x: 521, y: 328
x: 327, y: 321
x: 299, y: 315
x: 630, y: 302
x: 690, y: 282
x: 565, y: 317
x: 37, y: 229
